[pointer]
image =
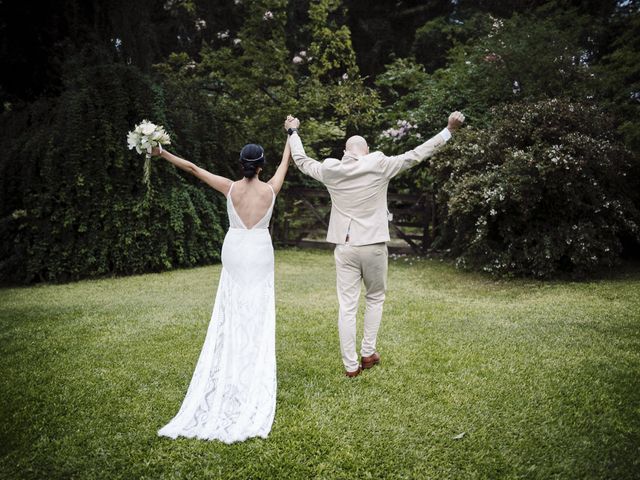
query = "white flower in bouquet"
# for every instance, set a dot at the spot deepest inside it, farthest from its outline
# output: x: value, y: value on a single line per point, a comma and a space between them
x: 144, y: 137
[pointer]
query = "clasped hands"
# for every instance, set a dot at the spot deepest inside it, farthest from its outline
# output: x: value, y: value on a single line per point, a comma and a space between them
x: 291, y: 122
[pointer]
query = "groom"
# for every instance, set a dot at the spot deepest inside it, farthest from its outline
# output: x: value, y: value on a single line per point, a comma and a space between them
x: 359, y: 228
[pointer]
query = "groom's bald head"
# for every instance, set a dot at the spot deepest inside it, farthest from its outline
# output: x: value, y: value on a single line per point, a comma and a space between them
x: 357, y: 145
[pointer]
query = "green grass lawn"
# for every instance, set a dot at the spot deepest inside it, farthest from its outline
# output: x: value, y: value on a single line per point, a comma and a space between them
x: 543, y: 378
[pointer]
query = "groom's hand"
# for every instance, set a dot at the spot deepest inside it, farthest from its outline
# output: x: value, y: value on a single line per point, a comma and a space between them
x: 456, y: 119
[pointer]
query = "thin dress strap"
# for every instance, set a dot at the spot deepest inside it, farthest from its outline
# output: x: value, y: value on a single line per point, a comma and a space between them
x: 230, y: 188
x: 272, y: 190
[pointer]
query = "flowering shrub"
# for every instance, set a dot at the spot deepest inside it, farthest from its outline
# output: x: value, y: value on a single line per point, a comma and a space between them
x: 545, y: 190
x: 404, y: 128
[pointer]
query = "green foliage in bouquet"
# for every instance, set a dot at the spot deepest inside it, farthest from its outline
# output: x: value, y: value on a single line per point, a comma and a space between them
x: 543, y: 191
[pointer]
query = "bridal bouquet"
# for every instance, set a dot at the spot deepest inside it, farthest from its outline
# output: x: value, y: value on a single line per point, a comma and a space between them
x: 143, y: 138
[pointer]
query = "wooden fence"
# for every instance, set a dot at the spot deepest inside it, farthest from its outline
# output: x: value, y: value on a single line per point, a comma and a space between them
x: 302, y: 218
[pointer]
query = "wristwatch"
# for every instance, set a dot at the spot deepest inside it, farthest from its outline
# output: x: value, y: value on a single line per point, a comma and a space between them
x: 291, y: 130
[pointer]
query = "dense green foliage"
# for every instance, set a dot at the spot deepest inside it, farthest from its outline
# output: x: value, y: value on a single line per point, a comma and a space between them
x: 219, y: 74
x: 502, y: 73
x: 78, y: 208
x: 541, y: 377
x: 542, y: 191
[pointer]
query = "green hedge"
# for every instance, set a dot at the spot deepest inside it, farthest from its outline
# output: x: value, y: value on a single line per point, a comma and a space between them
x: 73, y: 203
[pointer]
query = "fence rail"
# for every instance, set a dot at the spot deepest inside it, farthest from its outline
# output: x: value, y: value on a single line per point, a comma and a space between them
x: 304, y: 213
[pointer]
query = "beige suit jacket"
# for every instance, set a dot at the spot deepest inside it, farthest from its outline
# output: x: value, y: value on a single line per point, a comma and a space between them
x: 358, y: 188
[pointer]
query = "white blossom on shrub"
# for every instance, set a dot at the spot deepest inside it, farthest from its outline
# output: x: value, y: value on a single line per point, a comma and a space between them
x: 404, y: 128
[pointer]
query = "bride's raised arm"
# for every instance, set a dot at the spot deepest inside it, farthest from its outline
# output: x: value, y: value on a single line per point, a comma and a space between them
x: 221, y: 184
x: 278, y: 178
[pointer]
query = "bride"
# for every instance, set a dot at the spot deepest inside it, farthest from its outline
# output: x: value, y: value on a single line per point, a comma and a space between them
x: 232, y: 394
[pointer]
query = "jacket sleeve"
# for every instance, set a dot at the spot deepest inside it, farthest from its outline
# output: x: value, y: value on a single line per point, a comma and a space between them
x: 307, y: 165
x: 392, y: 166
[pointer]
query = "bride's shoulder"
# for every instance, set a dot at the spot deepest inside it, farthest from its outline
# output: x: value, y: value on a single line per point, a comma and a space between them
x: 264, y: 188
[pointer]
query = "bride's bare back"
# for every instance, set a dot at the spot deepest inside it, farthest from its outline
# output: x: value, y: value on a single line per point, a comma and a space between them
x: 251, y: 200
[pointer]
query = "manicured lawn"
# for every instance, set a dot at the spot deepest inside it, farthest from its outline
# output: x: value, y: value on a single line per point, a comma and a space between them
x: 543, y: 378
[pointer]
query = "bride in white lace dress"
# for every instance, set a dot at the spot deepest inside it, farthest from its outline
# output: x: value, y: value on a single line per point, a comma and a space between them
x: 232, y: 394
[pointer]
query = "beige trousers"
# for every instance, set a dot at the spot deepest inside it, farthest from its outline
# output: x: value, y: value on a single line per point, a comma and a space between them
x: 355, y: 264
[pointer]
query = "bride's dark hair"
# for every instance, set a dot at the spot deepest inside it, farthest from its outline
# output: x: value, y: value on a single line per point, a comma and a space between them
x: 251, y: 158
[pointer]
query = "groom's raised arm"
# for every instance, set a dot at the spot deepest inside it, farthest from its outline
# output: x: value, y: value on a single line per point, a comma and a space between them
x: 306, y: 164
x: 392, y: 166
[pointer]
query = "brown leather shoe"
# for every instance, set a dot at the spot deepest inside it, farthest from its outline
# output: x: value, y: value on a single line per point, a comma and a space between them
x: 355, y: 373
x: 371, y: 360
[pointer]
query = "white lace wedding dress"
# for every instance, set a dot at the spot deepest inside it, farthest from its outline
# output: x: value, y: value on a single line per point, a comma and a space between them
x: 232, y: 394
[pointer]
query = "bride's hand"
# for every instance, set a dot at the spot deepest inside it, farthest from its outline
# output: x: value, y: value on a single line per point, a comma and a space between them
x: 156, y: 152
